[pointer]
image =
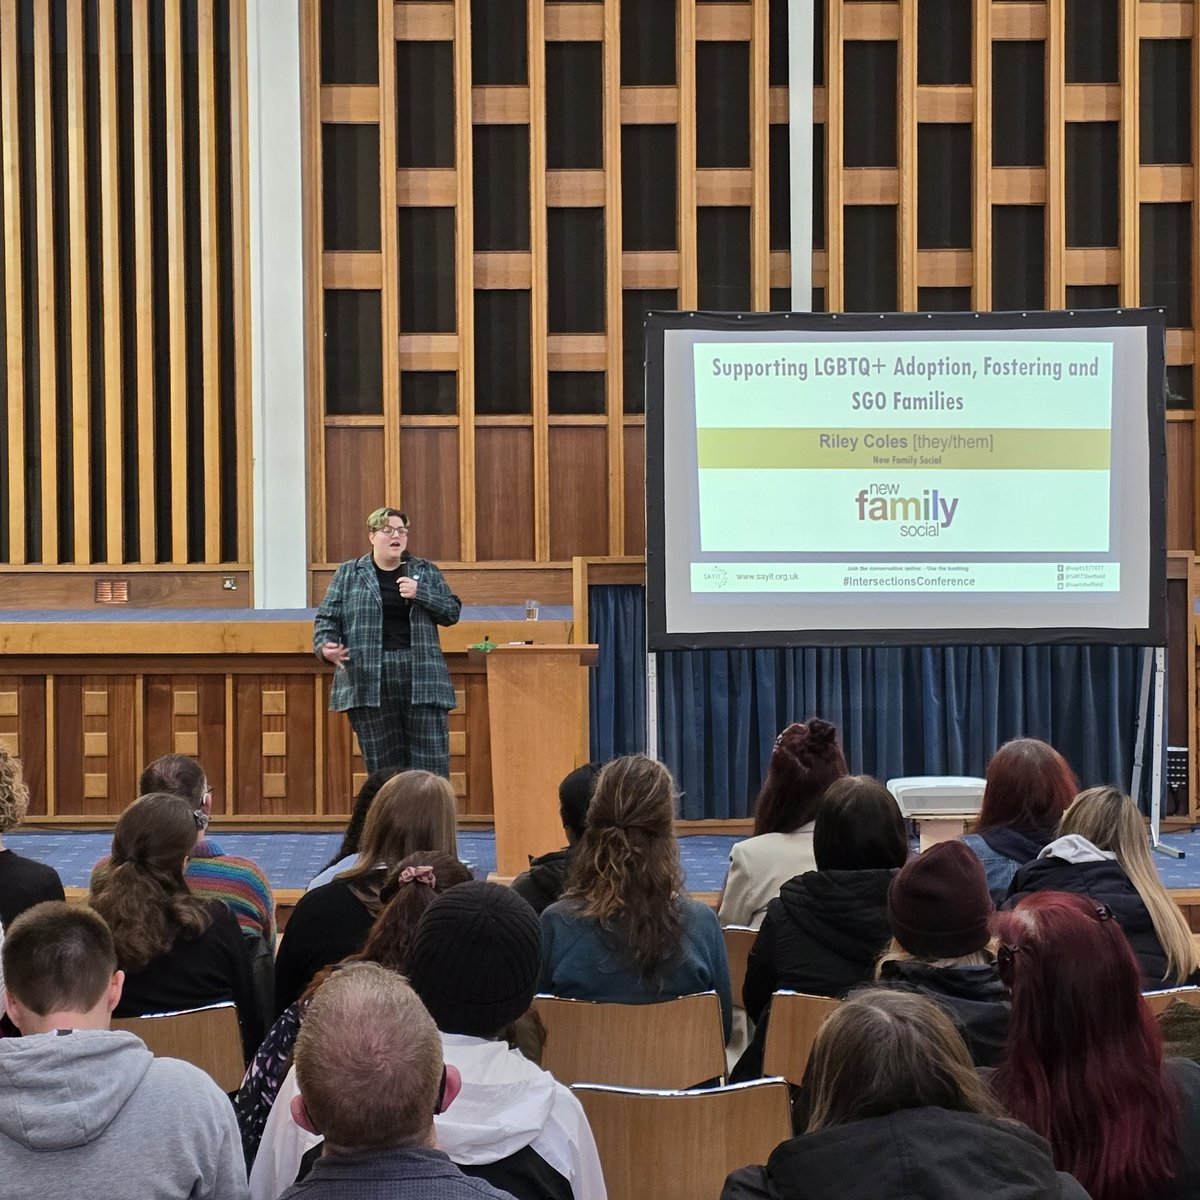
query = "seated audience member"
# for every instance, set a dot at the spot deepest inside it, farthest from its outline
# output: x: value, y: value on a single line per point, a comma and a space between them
x: 369, y: 1068
x: 473, y: 962
x: 347, y: 853
x: 415, y: 810
x: 1084, y: 1066
x: 826, y: 929
x: 805, y: 761
x: 407, y: 892
x: 23, y: 881
x: 625, y: 931
x: 177, y: 950
x: 897, y: 1113
x: 87, y: 1113
x: 1102, y: 851
x: 543, y: 883
x: 938, y: 912
x: 1029, y: 785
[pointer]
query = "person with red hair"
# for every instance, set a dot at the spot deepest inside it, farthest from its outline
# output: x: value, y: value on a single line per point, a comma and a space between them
x: 1085, y: 1066
x: 1029, y: 786
x: 805, y: 760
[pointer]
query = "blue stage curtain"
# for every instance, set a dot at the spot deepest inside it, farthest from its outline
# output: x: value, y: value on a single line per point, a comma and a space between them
x: 908, y: 711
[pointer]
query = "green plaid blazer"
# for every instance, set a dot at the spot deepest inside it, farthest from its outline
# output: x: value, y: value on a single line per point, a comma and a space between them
x: 352, y: 613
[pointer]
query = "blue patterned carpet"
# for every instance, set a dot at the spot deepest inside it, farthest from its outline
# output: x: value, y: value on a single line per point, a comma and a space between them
x: 292, y: 859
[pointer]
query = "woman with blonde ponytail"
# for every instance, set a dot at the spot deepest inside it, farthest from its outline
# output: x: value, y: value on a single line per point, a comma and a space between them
x: 1102, y: 851
x: 625, y: 931
x: 177, y: 950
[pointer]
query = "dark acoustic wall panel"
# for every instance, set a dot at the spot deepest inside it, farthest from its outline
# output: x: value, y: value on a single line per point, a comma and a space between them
x: 502, y: 368
x: 424, y: 104
x: 349, y: 42
x: 944, y: 187
x: 943, y: 42
x: 647, y: 43
x: 499, y: 42
x: 722, y: 104
x: 501, y: 187
x: 575, y: 253
x: 353, y: 354
x: 1093, y: 29
x: 1018, y: 257
x: 944, y: 299
x: 1103, y: 295
x: 574, y: 106
x: 648, y: 187
x: 1018, y: 104
x: 781, y: 191
x: 428, y: 393
x: 1093, y: 183
x: 426, y: 250
x: 635, y: 306
x: 350, y: 200
x: 1166, y: 100
x: 869, y: 100
x: 723, y: 235
x: 573, y: 393
x: 1167, y: 232
x: 871, y: 265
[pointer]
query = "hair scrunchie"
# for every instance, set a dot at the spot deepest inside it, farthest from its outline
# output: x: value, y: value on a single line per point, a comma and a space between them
x: 422, y: 874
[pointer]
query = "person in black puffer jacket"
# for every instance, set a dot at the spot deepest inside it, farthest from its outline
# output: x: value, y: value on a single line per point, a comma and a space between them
x: 899, y: 1114
x: 1101, y: 851
x: 939, y: 911
x: 827, y: 927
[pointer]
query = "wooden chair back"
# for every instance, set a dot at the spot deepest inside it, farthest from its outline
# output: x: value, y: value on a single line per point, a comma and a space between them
x: 738, y: 940
x: 206, y: 1037
x: 682, y: 1145
x: 1160, y: 1001
x: 675, y: 1044
x: 791, y: 1030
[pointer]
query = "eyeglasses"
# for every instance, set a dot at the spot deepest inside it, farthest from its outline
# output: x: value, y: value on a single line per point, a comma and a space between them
x: 393, y: 529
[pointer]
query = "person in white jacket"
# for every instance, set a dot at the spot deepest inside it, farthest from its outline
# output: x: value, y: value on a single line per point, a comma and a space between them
x: 474, y: 962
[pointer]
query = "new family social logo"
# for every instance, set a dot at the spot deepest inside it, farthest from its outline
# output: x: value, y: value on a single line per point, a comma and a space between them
x: 883, y: 502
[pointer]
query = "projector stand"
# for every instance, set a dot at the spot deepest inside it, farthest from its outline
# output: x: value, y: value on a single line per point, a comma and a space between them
x: 1157, y: 659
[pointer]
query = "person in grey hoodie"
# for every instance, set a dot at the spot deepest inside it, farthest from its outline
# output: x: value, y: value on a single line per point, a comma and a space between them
x: 88, y: 1113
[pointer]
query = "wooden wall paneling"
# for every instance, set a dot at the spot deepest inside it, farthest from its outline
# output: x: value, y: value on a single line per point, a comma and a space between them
x: 429, y: 463
x: 464, y: 273
x: 64, y: 740
x: 354, y: 474
x: 110, y: 317
x: 981, y: 166
x: 835, y: 107
x: 1181, y: 482
x: 124, y: 766
x: 389, y: 245
x: 157, y: 717
x: 504, y: 491
x: 239, y: 184
x: 906, y: 115
x: 1193, y: 577
x: 248, y: 792
x: 14, y: 268
x: 209, y: 275
x: 613, y: 298
x: 300, y: 732
x: 760, y: 157
x: 635, y: 487
x: 338, y: 767
x: 78, y: 233
x: 1056, y: 158
x: 43, y: 141
x: 143, y: 235
x: 1195, y: 268
x: 23, y: 732
x: 1130, y: 53
x: 213, y: 727
x: 578, y: 491
x: 314, y: 290
x: 478, y: 799
x: 539, y: 297
x: 176, y: 286
x: 686, y: 74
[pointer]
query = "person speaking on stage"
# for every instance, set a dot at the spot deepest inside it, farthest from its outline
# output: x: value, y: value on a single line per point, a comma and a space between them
x: 378, y: 627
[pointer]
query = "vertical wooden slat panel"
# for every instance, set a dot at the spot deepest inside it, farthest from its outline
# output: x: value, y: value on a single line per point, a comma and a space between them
x: 835, y: 286
x: 143, y: 236
x: 760, y: 156
x: 1195, y: 267
x: 464, y: 270
x: 176, y: 250
x: 110, y: 249
x: 539, y: 298
x: 981, y: 175
x: 1056, y: 185
x: 76, y: 167
x: 47, y: 355
x: 906, y: 114
x: 390, y: 299
x: 210, y: 264
x: 688, y: 249
x: 613, y: 300
x: 1130, y: 119
x: 239, y: 188
x: 13, y: 275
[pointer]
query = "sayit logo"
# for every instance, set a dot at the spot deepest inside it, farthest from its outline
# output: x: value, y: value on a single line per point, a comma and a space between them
x: 883, y: 502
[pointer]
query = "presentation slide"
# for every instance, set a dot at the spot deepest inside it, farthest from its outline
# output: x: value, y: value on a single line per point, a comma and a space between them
x: 905, y: 479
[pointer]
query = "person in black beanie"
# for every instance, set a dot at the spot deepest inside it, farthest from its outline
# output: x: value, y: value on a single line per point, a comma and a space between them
x: 474, y: 963
x: 939, y: 911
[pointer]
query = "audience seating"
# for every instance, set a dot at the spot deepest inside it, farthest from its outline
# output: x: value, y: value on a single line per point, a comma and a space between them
x: 675, y: 1044
x: 738, y: 941
x: 207, y: 1037
x: 791, y: 1030
x: 681, y: 1145
x: 1160, y: 1001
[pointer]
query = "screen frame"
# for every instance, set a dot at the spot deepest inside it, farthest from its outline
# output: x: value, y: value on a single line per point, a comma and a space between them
x: 658, y: 637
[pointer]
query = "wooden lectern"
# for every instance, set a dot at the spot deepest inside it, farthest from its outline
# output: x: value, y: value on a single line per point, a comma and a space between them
x: 535, y: 711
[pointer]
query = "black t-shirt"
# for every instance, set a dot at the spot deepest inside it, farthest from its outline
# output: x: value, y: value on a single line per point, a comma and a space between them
x: 396, y: 632
x: 24, y: 883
